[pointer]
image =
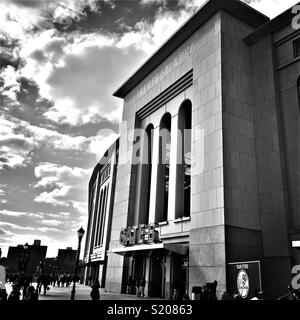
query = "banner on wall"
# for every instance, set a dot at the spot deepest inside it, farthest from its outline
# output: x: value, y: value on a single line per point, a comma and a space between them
x: 244, y: 278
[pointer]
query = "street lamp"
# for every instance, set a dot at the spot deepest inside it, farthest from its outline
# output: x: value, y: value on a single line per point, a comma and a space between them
x: 80, y: 234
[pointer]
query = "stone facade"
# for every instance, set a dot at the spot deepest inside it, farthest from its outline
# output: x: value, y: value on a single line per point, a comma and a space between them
x: 241, y: 83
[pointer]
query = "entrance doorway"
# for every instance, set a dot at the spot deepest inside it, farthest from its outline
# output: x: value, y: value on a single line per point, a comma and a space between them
x: 138, y: 266
x: 157, y: 276
x: 180, y: 274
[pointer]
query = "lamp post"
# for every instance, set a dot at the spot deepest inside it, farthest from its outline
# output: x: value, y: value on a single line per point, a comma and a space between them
x: 80, y: 234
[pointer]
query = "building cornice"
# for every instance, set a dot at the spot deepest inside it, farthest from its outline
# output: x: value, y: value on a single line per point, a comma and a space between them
x: 274, y: 25
x: 235, y: 8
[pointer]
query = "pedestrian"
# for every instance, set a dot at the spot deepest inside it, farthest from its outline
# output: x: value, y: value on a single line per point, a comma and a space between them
x: 69, y: 280
x: 31, y: 294
x: 95, y: 293
x: 45, y: 282
x: 129, y: 285
x: 39, y: 283
x: 63, y: 280
x: 142, y: 285
x: 15, y: 293
x: 26, y: 283
x: 137, y: 287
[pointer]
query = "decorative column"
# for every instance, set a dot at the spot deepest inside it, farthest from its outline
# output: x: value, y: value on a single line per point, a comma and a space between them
x: 155, y: 156
x: 173, y: 169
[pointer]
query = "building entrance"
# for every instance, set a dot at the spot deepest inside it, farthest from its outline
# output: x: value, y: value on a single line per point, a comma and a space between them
x: 138, y: 267
x: 179, y: 277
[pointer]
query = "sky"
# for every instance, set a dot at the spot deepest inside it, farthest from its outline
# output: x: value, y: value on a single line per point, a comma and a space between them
x: 60, y: 63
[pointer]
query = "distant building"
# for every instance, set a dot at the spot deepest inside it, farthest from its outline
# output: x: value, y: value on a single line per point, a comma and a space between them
x: 20, y: 259
x: 66, y: 259
x: 101, y: 200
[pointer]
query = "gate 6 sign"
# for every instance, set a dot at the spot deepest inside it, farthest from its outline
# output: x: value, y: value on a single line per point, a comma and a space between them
x: 243, y: 283
x: 142, y: 234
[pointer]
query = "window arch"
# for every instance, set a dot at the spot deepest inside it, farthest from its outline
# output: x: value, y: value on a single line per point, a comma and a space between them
x: 103, y: 216
x: 162, y: 190
x: 145, y: 176
x: 97, y: 218
x: 183, y: 166
x: 93, y: 216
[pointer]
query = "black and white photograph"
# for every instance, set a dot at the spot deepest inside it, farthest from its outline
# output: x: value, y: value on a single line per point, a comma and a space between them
x: 149, y: 153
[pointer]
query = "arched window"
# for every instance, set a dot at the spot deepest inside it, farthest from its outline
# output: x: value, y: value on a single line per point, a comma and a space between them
x: 145, y: 176
x: 102, y: 212
x: 103, y: 215
x: 92, y: 219
x: 162, y: 189
x: 97, y: 218
x: 183, y: 172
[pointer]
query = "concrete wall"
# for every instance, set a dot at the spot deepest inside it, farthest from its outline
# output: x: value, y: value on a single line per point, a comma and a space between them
x: 242, y: 214
x: 288, y: 72
x: 270, y: 164
x: 207, y: 236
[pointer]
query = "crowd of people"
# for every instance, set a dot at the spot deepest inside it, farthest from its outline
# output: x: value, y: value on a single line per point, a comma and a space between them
x: 23, y: 289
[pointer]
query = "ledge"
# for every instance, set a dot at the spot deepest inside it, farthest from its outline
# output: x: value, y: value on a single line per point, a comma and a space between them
x: 163, y: 223
x: 182, y: 219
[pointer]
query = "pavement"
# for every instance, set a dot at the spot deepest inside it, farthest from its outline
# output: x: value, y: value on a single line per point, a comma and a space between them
x: 82, y: 293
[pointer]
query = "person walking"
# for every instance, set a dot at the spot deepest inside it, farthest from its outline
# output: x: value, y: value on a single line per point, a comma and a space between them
x: 129, y: 285
x: 31, y: 294
x: 142, y: 285
x: 95, y: 293
x: 15, y: 294
x: 45, y: 282
x: 137, y: 287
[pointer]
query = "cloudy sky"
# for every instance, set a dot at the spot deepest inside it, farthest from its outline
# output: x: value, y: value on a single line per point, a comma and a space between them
x: 60, y: 63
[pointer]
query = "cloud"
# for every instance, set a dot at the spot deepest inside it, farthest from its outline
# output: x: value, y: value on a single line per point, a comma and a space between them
x: 55, y: 197
x: 271, y: 8
x: 53, y: 174
x: 15, y: 226
x: 12, y: 213
x: 86, y: 81
x: 48, y: 229
x: 9, y: 50
x: 66, y: 184
x: 10, y: 84
x: 19, y: 139
x: 52, y: 222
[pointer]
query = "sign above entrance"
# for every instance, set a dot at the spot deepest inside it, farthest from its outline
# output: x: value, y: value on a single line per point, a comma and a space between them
x: 142, y: 234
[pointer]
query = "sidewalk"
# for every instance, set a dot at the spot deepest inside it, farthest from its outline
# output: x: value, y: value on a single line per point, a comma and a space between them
x: 82, y: 293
